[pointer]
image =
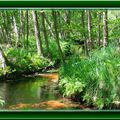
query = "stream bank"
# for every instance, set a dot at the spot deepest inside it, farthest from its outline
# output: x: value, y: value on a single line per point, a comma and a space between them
x: 38, y: 92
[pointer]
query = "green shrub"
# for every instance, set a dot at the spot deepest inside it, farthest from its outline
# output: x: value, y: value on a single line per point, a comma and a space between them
x: 5, y: 71
x: 25, y: 58
x: 97, y: 77
x: 54, y: 48
x: 24, y: 61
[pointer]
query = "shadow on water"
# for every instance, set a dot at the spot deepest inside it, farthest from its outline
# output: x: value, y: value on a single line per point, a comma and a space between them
x: 38, y: 92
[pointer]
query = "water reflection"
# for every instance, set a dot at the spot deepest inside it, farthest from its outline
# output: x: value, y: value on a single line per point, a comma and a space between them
x: 27, y: 91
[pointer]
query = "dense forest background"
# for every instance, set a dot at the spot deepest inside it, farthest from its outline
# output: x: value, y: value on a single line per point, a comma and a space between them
x: 83, y: 44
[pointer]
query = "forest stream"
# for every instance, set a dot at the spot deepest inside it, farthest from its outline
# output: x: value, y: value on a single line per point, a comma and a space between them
x: 39, y: 92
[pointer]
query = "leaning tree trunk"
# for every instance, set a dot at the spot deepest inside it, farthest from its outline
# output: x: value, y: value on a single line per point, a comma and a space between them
x: 90, y: 44
x: 57, y: 35
x: 49, y: 26
x: 37, y: 34
x: 105, y: 29
x: 3, y: 60
x: 45, y: 34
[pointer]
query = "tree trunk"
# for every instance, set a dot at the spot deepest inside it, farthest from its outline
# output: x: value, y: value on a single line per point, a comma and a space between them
x: 49, y: 26
x: 8, y: 27
x: 67, y: 21
x: 99, y: 21
x: 22, y: 28
x: 27, y: 15
x: 45, y: 34
x: 16, y: 31
x: 57, y: 35
x: 59, y: 23
x: 37, y: 34
x: 105, y: 29
x: 7, y: 37
x: 84, y: 38
x: 89, y: 31
x: 2, y: 35
x: 3, y: 59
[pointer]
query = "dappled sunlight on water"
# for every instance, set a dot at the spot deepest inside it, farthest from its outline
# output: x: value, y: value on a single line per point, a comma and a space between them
x: 52, y: 77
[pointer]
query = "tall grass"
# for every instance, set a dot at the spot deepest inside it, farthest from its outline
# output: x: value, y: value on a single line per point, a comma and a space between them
x: 97, y: 77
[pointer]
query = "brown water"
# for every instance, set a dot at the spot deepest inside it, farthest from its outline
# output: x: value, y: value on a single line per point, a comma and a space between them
x: 34, y: 92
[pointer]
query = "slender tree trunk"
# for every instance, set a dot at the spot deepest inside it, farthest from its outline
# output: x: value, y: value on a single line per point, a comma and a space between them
x: 16, y: 31
x: 45, y: 34
x: 27, y: 15
x: 67, y: 21
x: 8, y: 27
x: 22, y: 28
x: 57, y: 35
x: 49, y: 26
x: 3, y: 62
x: 2, y: 34
x: 5, y: 27
x: 37, y: 34
x: 105, y: 28
x: 84, y: 38
x: 59, y: 23
x: 3, y: 59
x: 89, y: 30
x: 99, y: 21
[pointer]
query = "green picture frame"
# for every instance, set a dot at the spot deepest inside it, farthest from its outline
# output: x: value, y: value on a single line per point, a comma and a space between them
x: 60, y: 114
x: 72, y: 114
x: 58, y: 3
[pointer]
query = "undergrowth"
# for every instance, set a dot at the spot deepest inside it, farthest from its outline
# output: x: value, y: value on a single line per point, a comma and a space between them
x: 96, y: 76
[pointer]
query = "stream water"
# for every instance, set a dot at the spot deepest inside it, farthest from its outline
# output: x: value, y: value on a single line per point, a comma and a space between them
x: 39, y: 92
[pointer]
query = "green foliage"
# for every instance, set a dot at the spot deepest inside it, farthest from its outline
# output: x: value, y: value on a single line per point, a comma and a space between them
x: 2, y: 102
x: 97, y: 77
x: 24, y: 61
x: 7, y: 70
x: 54, y: 48
x: 71, y: 82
